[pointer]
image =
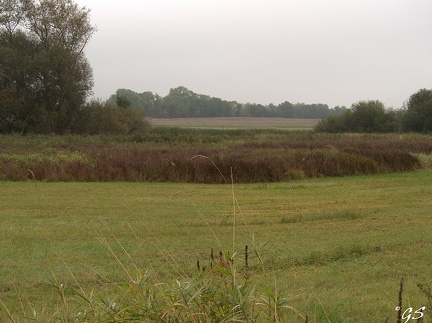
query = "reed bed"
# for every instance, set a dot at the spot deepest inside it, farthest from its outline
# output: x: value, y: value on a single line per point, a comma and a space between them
x: 251, y: 161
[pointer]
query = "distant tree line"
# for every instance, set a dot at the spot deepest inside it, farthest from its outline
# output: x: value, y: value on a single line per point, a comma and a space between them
x: 373, y: 116
x: 183, y: 103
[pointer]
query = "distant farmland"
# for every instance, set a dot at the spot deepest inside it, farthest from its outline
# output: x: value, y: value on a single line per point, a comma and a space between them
x: 235, y: 122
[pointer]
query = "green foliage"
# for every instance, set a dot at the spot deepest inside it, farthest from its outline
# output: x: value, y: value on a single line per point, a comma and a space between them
x: 146, y: 101
x: 123, y: 102
x: 44, y: 76
x: 184, y: 103
x: 372, y: 116
x: 220, y: 292
x: 364, y: 116
x: 418, y: 112
x: 335, y: 124
x: 98, y: 117
x: 367, y: 116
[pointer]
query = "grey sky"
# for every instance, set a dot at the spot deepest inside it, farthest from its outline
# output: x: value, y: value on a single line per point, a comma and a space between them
x: 336, y: 52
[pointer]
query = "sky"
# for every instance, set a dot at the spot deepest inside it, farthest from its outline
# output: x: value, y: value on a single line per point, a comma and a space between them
x: 335, y: 52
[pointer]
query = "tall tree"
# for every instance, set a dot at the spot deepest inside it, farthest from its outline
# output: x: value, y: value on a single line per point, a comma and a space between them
x: 45, y: 77
x: 180, y: 103
x: 418, y: 112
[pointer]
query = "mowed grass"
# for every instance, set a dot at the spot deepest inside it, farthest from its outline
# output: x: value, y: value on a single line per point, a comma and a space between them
x: 335, y: 247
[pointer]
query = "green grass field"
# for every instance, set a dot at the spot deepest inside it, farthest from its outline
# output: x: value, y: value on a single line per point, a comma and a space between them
x: 336, y: 248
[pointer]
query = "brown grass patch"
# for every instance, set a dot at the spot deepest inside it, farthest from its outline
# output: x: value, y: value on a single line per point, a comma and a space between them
x: 167, y: 155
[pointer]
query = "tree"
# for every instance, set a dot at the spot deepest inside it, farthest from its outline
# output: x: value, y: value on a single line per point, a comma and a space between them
x: 418, y: 112
x: 179, y: 103
x: 123, y: 102
x: 254, y: 110
x: 364, y: 116
x: 45, y: 77
x: 287, y: 110
x: 367, y: 116
x: 184, y: 103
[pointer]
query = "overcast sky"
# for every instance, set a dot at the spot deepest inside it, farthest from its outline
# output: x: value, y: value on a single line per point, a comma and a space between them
x: 335, y: 52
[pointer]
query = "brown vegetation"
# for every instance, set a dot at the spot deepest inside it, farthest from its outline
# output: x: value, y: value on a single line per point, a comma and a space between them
x: 249, y: 162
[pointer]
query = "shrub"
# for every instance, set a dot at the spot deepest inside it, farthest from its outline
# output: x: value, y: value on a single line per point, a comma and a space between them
x: 363, y: 117
x: 99, y: 117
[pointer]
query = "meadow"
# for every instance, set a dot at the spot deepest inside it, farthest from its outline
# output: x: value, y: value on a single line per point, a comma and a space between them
x: 332, y: 248
x: 308, y: 246
x: 236, y: 122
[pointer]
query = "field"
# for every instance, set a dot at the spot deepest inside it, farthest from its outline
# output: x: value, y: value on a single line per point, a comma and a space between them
x: 337, y: 247
x: 321, y: 242
x: 243, y: 122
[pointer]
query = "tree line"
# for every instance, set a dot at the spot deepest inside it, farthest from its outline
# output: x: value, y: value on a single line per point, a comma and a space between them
x: 181, y: 102
x: 373, y: 116
x: 363, y: 116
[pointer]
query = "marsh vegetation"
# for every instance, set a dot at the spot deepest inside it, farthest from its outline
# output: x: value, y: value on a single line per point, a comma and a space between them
x: 172, y: 155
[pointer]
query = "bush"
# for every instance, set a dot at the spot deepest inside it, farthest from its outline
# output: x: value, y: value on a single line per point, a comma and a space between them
x: 364, y: 116
x: 98, y: 117
x: 334, y: 124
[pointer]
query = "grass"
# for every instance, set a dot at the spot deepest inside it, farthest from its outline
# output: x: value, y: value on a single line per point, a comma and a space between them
x: 237, y: 123
x: 335, y: 248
